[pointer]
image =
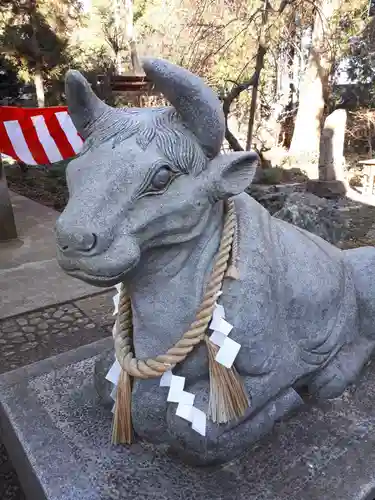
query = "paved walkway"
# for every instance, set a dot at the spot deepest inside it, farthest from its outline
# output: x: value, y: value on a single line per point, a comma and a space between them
x: 35, y: 335
x: 30, y: 277
x: 356, y: 195
x: 43, y: 311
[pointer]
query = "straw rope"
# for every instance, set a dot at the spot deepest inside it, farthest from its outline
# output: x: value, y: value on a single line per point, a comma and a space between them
x: 123, y: 331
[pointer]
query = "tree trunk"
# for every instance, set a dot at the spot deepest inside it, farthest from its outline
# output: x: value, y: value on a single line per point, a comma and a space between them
x: 129, y: 23
x: 262, y: 50
x: 39, y: 87
x: 137, y: 68
x: 306, y: 136
x: 118, y: 63
x: 38, y: 76
x: 117, y: 9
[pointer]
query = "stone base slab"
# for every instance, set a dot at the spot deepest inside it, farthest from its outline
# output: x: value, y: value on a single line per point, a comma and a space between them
x: 58, y: 437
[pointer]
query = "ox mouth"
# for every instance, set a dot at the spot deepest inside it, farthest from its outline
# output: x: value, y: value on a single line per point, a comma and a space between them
x: 100, y: 281
x: 96, y: 279
x: 101, y: 270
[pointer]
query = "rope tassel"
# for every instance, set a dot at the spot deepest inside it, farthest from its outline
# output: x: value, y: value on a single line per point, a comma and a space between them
x: 122, y: 431
x: 228, y: 398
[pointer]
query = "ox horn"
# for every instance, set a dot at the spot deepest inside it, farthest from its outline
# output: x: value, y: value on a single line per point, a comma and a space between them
x: 85, y: 108
x: 197, y: 104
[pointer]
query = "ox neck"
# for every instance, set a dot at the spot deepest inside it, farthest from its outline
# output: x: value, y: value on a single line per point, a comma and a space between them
x: 168, y: 287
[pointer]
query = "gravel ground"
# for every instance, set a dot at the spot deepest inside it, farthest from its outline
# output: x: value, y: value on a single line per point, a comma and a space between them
x: 10, y: 488
x: 40, y: 334
x: 39, y: 185
x: 361, y: 227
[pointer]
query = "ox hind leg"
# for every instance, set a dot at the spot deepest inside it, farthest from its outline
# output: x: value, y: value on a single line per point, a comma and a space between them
x: 342, y: 370
x: 361, y: 263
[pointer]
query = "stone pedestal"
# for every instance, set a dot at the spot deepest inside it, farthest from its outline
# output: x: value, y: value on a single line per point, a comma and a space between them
x: 8, y: 229
x: 326, y: 189
x: 58, y: 436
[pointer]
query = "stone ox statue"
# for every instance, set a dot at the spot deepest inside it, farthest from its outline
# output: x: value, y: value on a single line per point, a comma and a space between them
x: 146, y: 208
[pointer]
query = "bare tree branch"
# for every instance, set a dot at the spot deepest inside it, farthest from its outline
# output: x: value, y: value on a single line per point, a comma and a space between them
x: 227, y: 43
x: 283, y: 5
x: 227, y: 102
x: 262, y: 50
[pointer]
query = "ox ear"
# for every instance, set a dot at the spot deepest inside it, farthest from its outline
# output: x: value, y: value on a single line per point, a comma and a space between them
x: 232, y: 173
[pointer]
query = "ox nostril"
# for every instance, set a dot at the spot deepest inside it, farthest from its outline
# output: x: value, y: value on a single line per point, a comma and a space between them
x: 94, y: 242
x: 83, y: 242
x: 76, y: 240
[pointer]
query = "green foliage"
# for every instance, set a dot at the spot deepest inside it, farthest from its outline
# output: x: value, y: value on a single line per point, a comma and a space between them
x: 58, y: 169
x: 50, y: 56
x: 35, y: 37
x: 10, y: 84
x: 277, y: 175
x: 271, y: 175
x: 139, y: 10
x: 355, y: 41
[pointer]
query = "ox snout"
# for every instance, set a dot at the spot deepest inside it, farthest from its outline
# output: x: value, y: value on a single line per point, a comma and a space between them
x: 95, y: 258
x: 77, y: 242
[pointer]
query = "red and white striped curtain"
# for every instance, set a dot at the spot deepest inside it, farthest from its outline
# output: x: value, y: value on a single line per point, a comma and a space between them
x: 38, y: 136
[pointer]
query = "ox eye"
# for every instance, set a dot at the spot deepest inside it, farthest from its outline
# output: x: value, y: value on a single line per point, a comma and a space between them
x: 161, y: 179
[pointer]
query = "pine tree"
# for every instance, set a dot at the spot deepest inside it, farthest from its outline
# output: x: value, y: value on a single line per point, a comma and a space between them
x: 10, y: 85
x: 36, y: 34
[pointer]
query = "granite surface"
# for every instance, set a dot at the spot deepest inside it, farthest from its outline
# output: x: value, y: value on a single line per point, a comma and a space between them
x: 326, y: 452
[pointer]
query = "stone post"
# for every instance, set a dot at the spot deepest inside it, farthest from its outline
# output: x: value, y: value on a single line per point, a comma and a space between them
x: 8, y: 229
x: 331, y: 154
x: 331, y: 183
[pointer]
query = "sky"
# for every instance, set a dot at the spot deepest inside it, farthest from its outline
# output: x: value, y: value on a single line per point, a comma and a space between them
x: 86, y: 4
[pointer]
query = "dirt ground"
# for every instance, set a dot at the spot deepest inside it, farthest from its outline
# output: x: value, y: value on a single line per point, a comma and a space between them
x: 42, y: 186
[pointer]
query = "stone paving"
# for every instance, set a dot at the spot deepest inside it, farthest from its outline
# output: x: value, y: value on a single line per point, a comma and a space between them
x: 39, y: 334
x: 33, y: 336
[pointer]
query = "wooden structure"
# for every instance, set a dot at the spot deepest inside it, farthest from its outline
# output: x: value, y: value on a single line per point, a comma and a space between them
x: 369, y: 175
x: 130, y: 88
x: 130, y: 83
